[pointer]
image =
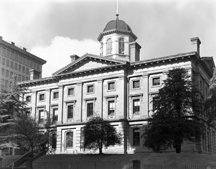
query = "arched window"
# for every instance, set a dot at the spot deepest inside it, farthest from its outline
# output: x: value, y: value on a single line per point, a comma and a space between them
x: 121, y: 45
x: 109, y: 47
x: 69, y: 139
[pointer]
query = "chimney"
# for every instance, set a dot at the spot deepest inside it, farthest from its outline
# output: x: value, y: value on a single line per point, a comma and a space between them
x: 32, y: 74
x: 0, y: 37
x: 74, y: 57
x: 196, y: 44
x: 24, y: 49
x: 134, y: 51
x: 12, y: 43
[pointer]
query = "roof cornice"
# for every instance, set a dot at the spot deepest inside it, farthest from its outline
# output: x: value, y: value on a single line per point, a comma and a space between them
x: 22, y: 51
x: 116, y: 31
x: 84, y: 58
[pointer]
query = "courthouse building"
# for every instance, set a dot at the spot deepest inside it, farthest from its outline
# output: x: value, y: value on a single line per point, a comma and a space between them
x: 115, y: 85
x: 16, y: 62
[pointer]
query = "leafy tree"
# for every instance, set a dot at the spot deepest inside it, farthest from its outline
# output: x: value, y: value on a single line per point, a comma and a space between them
x: 27, y: 133
x: 210, y: 110
x: 210, y: 103
x: 15, y: 125
x: 99, y: 133
x: 176, y: 114
x: 11, y: 104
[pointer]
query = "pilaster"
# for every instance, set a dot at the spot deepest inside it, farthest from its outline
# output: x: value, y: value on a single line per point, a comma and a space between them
x: 100, y: 98
x: 79, y: 112
x: 34, y: 102
x: 145, y: 101
x: 60, y: 105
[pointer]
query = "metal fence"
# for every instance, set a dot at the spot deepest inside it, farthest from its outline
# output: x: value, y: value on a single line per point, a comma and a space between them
x: 112, y: 165
x: 177, y: 167
x: 78, y: 165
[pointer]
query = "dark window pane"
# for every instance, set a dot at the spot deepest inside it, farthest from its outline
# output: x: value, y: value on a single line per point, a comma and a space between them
x: 70, y: 111
x: 89, y: 109
x: 71, y: 91
x: 136, y: 84
x: 90, y: 88
x: 136, y: 137
x: 111, y: 85
x: 69, y: 139
x: 55, y: 95
x: 156, y: 81
x: 121, y: 46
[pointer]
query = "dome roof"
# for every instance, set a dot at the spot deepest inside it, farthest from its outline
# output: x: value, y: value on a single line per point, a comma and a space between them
x: 117, y: 25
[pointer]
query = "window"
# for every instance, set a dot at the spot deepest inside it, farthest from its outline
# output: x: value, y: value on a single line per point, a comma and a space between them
x: 28, y: 111
x: 136, y: 84
x: 15, y: 66
x: 111, y: 85
x: 7, y: 63
x: 121, y: 46
x: 7, y: 73
x: 111, y: 108
x: 109, y: 47
x: 41, y: 97
x: 54, y: 140
x: 55, y: 115
x: 42, y: 116
x: 11, y: 75
x: 23, y: 69
x: 154, y: 101
x: 20, y: 68
x: 11, y: 64
x: 156, y: 81
x: 136, y: 137
x: 136, y: 106
x: 3, y: 72
x: 69, y: 139
x: 3, y: 61
x: 28, y: 98
x: 90, y: 88
x: 70, y: 109
x: 90, y: 109
x: 55, y: 95
x: 70, y: 91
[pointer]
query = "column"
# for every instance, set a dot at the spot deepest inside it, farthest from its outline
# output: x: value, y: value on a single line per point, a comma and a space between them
x: 99, y: 90
x: 58, y: 141
x: 79, y: 102
x: 47, y: 103
x: 34, y: 103
x: 60, y: 105
x: 145, y: 103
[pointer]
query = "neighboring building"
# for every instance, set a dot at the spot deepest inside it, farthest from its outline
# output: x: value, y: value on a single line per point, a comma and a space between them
x: 116, y: 86
x: 17, y: 64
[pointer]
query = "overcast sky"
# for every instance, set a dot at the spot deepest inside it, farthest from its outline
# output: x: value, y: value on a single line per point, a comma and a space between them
x: 56, y: 29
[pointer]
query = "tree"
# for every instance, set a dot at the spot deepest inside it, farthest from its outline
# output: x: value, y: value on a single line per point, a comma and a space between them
x: 99, y: 133
x: 210, y: 103
x: 27, y: 133
x: 15, y: 125
x: 11, y: 104
x: 176, y: 114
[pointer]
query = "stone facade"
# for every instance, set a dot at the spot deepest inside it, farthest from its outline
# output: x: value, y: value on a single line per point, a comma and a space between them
x: 116, y: 88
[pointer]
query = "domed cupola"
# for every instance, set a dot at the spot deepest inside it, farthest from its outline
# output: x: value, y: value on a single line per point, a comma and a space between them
x: 116, y: 40
x: 117, y: 26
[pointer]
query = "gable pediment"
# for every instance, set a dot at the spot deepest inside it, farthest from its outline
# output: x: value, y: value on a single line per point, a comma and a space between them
x: 89, y: 62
